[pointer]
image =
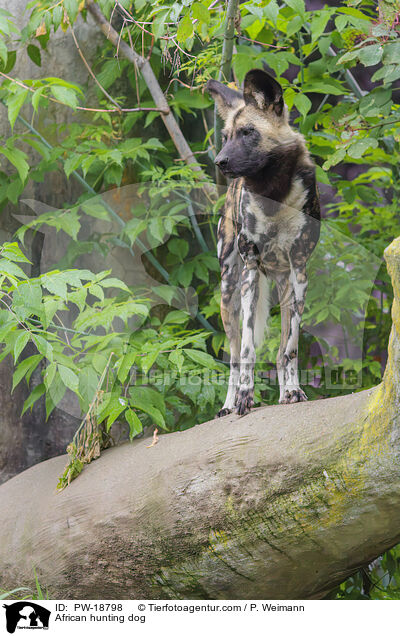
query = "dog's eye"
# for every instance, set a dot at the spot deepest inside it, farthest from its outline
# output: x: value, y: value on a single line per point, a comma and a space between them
x: 246, y: 131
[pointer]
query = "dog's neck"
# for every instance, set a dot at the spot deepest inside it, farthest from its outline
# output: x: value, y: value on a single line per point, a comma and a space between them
x: 274, y: 180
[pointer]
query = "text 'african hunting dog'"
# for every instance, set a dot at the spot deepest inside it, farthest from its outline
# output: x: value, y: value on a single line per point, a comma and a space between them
x: 268, y: 231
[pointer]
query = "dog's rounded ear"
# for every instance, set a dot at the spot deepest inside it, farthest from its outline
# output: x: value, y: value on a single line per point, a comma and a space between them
x: 225, y: 97
x: 263, y: 91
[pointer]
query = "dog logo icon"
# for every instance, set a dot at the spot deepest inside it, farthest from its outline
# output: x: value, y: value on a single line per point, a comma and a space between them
x: 26, y: 615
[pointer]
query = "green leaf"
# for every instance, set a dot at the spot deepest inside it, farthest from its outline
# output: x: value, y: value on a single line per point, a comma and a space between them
x: 189, y: 100
x: 36, y: 97
x: 56, y: 283
x: 243, y: 62
x: 14, y: 190
x: 114, y: 283
x: 55, y: 394
x: 113, y: 175
x: 49, y: 374
x: 166, y: 292
x: 176, y: 317
x: 185, y: 274
x: 327, y: 88
x: 391, y: 53
x: 58, y: 15
x: 294, y: 25
x: 148, y: 360
x: 69, y: 378
x: 20, y: 343
x: 5, y: 332
x: 383, y: 72
x: 34, y: 54
x: 9, y: 269
x: 126, y: 365
x: 39, y: 147
x: 392, y: 75
x: 88, y: 384
x: 149, y: 396
x: 154, y: 413
x: 14, y: 105
x: 13, y: 252
x: 288, y: 96
x: 5, y: 24
x: 97, y: 291
x: 72, y: 9
x: 27, y: 300
x: 318, y: 24
x: 185, y: 29
x: 158, y: 25
x: 33, y: 397
x: 341, y: 22
x: 72, y: 163
x: 347, y: 57
x: 177, y: 358
x: 322, y: 176
x: 156, y: 230
x: 202, y: 358
x: 179, y: 247
x: 271, y: 11
x: 135, y: 425
x: 199, y: 12
x: 29, y: 364
x: 357, y: 149
x: 202, y: 271
x: 44, y: 347
x: 297, y: 5
x: 18, y: 159
x: 119, y: 405
x: 371, y: 104
x: 302, y: 103
x: 370, y: 55
x: 65, y: 95
x: 79, y: 298
x: 11, y: 59
x: 96, y: 209
x: 3, y: 52
x: 254, y: 26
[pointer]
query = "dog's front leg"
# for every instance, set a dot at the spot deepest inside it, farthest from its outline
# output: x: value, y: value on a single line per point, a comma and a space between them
x: 249, y: 298
x: 230, y: 313
x: 292, y: 292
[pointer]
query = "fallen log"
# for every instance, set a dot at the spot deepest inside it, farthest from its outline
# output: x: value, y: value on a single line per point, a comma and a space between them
x: 281, y: 504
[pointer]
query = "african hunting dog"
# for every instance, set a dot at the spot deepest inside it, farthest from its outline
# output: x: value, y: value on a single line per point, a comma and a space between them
x: 268, y: 231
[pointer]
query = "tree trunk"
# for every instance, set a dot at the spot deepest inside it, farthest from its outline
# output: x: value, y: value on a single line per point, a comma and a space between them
x: 283, y: 503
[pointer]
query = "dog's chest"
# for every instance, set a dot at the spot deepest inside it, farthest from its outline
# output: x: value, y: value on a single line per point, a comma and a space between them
x: 273, y: 227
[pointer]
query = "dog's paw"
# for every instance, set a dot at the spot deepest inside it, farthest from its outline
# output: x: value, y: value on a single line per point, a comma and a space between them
x: 223, y: 412
x: 297, y: 395
x: 244, y: 402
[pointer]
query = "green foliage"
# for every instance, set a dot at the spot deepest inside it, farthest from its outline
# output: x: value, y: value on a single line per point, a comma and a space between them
x: 340, y: 124
x: 101, y: 338
x: 380, y: 580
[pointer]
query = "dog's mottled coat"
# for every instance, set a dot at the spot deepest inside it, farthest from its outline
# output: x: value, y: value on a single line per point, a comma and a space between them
x: 267, y: 233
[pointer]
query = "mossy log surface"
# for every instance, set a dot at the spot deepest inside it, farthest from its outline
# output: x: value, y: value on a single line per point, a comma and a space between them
x: 280, y: 504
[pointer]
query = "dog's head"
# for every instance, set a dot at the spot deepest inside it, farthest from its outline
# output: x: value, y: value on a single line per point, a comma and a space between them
x: 256, y: 124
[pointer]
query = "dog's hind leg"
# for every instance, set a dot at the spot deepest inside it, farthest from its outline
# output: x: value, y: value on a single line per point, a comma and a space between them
x: 292, y: 291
